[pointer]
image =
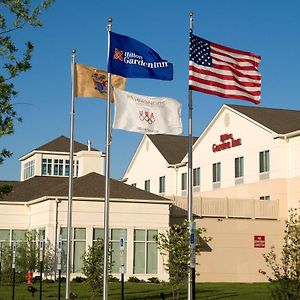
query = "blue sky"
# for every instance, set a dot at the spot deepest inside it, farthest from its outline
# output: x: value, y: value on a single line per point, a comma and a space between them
x: 267, y: 28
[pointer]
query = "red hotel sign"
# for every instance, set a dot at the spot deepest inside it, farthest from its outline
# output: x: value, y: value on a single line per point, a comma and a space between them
x: 259, y: 241
x: 227, y: 142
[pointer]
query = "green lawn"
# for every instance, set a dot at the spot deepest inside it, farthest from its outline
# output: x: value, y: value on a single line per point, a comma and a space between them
x: 238, y: 291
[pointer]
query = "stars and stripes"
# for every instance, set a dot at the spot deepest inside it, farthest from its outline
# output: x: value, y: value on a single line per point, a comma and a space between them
x: 223, y: 71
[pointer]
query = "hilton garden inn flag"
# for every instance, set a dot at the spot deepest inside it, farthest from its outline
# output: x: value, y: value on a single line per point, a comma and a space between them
x: 131, y: 58
x: 144, y: 114
x: 90, y: 82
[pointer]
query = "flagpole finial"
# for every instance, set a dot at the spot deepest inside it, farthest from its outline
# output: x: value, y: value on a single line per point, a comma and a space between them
x: 73, y: 51
x: 191, y: 20
x: 109, y: 20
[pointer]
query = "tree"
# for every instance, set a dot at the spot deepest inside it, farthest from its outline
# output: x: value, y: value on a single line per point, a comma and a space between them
x: 93, y: 267
x: 285, y: 277
x: 28, y: 255
x: 174, y: 244
x: 14, y: 15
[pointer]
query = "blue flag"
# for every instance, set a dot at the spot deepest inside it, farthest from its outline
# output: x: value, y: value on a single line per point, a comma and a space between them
x: 133, y: 59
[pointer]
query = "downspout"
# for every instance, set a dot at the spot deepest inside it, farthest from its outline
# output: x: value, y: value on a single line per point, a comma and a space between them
x: 176, y: 167
x: 29, y: 214
x: 288, y: 200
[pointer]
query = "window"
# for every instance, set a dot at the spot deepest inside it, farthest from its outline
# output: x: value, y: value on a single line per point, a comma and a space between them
x: 239, y: 167
x: 196, y: 177
x: 264, y: 161
x: 47, y: 166
x: 64, y: 242
x: 18, y: 235
x: 4, y: 237
x: 145, y: 252
x: 267, y: 197
x: 29, y: 169
x: 133, y: 184
x: 42, y: 234
x: 216, y: 172
x: 79, y: 248
x: 67, y: 167
x: 183, y: 181
x: 79, y: 242
x: 98, y: 233
x: 58, y: 167
x: 162, y: 184
x: 147, y: 185
x: 76, y: 167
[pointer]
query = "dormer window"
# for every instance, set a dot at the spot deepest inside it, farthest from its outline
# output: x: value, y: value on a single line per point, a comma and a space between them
x: 28, y: 169
x: 47, y: 167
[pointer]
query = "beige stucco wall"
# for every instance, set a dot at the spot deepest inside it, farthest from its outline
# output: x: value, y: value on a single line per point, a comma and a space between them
x: 89, y: 214
x: 275, y: 188
x: 90, y: 161
x: 233, y: 257
x: 13, y: 216
x: 149, y: 164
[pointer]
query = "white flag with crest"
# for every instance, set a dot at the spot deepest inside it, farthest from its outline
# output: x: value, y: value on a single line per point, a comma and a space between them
x: 148, y: 115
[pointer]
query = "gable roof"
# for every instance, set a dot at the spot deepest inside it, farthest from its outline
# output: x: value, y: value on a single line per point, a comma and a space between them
x: 62, y: 144
x: 172, y: 147
x: 91, y: 185
x: 281, y: 121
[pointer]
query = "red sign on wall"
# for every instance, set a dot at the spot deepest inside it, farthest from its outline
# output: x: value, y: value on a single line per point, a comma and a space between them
x: 259, y: 241
x: 227, y: 141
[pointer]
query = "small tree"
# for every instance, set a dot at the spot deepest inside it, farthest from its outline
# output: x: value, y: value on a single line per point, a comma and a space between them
x: 6, y: 263
x: 285, y: 277
x: 174, y: 244
x: 93, y: 267
x: 28, y: 252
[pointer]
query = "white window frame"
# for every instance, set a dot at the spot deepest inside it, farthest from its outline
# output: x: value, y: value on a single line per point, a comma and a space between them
x: 162, y: 184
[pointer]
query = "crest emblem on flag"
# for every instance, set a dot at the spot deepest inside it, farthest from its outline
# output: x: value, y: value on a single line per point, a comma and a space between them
x: 100, y: 82
x: 147, y: 117
x: 118, y: 54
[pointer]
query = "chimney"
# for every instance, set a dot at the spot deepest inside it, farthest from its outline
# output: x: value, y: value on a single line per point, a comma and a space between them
x: 89, y: 143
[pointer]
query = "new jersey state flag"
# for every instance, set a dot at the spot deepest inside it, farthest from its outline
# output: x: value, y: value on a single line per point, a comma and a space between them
x: 147, y: 115
x: 91, y: 82
x: 133, y: 59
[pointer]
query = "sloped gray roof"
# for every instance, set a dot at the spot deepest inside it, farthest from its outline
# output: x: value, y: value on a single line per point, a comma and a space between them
x: 91, y: 185
x: 62, y: 144
x: 281, y: 121
x: 172, y: 147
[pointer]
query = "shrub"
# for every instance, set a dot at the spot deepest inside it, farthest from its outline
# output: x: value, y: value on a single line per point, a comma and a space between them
x: 134, y: 279
x: 113, y: 279
x: 153, y: 280
x: 49, y: 280
x: 79, y: 279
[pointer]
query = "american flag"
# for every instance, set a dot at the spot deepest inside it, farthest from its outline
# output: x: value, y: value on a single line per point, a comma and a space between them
x: 223, y: 71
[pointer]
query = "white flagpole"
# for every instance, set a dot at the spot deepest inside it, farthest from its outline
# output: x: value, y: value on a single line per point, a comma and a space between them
x: 107, y: 176
x: 71, y: 154
x: 191, y: 277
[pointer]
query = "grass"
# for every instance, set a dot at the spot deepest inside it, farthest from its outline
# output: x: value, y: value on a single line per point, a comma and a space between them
x: 143, y: 291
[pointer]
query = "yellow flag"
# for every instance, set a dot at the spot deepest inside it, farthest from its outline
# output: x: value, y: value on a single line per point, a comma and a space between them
x: 90, y: 82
